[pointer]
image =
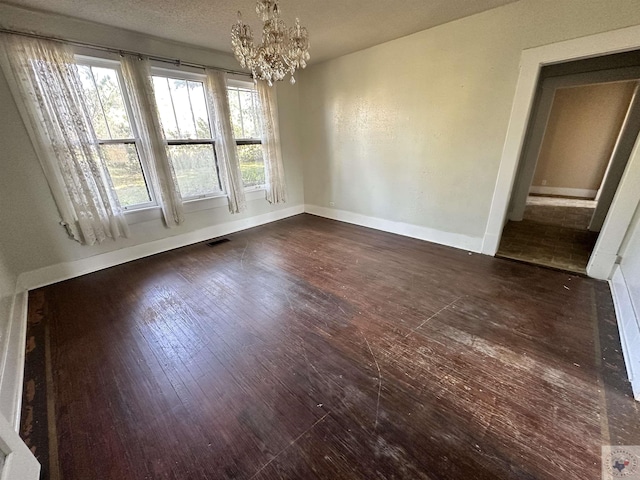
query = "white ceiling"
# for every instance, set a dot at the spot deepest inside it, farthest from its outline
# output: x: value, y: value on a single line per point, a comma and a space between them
x: 336, y: 27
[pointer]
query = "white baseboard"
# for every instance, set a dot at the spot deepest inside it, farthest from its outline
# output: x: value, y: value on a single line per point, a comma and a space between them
x: 564, y: 192
x: 456, y: 240
x: 12, y: 361
x: 628, y: 327
x: 64, y: 271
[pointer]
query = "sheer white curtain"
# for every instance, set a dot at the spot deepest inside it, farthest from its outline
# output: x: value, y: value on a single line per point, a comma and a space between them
x: 44, y: 76
x: 137, y: 76
x: 274, y: 170
x: 226, y: 151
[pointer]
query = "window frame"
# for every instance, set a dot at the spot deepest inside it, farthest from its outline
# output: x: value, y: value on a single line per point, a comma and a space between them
x: 151, y: 211
x: 191, y: 74
x: 235, y: 82
x: 92, y: 61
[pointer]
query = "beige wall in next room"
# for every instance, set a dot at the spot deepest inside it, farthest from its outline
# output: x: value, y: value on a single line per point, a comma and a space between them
x: 583, y: 126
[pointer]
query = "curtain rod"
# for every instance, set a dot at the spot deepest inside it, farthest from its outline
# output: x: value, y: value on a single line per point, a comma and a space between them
x: 93, y: 46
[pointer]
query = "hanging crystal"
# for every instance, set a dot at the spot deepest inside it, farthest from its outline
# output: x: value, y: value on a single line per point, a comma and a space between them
x: 282, y: 50
x: 242, y: 42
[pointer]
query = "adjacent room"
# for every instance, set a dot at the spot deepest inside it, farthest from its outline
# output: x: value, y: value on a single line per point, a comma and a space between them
x: 583, y: 129
x: 288, y: 239
x: 584, y: 124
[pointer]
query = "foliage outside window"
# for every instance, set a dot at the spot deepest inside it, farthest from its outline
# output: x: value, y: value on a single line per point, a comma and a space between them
x: 185, y: 120
x: 186, y: 124
x: 243, y: 103
x: 116, y: 133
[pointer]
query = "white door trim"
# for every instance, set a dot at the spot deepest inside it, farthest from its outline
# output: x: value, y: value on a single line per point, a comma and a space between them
x: 531, y: 61
x: 19, y: 462
x: 616, y: 223
x: 628, y: 328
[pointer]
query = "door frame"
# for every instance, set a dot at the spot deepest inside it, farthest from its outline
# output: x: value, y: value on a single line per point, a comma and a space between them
x: 19, y: 462
x: 627, y: 198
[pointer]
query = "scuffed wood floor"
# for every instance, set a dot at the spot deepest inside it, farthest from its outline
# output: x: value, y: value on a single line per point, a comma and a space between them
x: 309, y: 348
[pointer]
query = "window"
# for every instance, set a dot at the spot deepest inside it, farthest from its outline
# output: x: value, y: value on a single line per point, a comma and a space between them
x: 244, y: 106
x: 117, y: 136
x: 116, y: 132
x: 186, y: 123
x: 187, y: 126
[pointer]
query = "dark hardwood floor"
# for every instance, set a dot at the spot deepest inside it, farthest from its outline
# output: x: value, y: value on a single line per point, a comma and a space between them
x: 309, y: 348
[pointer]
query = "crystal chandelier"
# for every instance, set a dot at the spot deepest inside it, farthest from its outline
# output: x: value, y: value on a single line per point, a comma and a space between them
x: 282, y: 50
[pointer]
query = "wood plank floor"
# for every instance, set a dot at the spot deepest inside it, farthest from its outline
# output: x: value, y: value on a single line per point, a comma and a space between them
x: 309, y: 348
x: 554, y: 233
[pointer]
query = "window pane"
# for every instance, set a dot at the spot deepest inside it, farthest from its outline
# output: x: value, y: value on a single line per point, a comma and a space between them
x: 251, y: 164
x: 236, y: 117
x: 106, y: 80
x: 182, y: 107
x: 243, y: 103
x: 248, y: 109
x: 165, y: 107
x: 199, y: 104
x: 195, y: 169
x: 126, y: 174
x: 106, y: 103
x: 93, y: 102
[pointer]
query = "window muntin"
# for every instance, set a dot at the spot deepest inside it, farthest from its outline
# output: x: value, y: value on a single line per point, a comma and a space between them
x: 185, y: 119
x: 111, y: 120
x: 245, y: 121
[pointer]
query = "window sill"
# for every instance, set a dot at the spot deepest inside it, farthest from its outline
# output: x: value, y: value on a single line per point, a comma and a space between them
x: 190, y: 206
x: 142, y: 215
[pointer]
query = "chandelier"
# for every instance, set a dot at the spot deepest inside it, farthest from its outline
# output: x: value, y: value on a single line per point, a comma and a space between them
x: 282, y: 50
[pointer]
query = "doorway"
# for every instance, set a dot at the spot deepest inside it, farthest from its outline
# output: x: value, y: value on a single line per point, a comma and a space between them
x: 553, y: 234
x: 575, y: 153
x: 627, y: 197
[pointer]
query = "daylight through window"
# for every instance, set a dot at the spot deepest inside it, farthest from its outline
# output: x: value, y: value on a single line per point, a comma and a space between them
x: 243, y: 103
x: 187, y: 127
x: 116, y: 134
x: 190, y: 145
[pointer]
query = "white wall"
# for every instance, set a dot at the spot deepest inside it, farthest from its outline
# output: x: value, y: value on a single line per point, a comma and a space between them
x: 7, y: 290
x: 412, y: 130
x: 30, y: 236
x: 8, y: 270
x: 11, y: 350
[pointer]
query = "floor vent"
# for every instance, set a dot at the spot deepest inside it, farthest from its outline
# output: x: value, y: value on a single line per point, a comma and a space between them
x: 217, y: 241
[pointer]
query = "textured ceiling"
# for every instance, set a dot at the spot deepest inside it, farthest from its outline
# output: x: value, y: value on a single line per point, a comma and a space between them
x: 336, y: 27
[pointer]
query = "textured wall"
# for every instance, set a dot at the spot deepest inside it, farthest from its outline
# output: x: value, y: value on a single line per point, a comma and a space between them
x: 412, y: 130
x: 583, y: 127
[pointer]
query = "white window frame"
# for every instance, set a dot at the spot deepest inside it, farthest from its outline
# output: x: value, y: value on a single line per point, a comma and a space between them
x: 100, y: 62
x: 190, y: 74
x: 151, y: 211
x: 235, y: 82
